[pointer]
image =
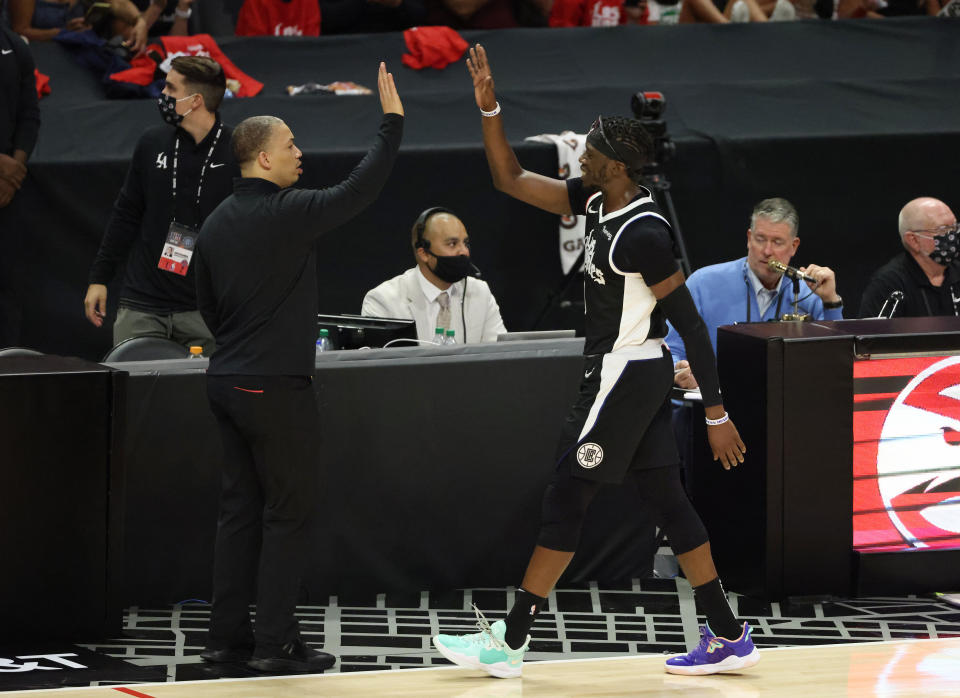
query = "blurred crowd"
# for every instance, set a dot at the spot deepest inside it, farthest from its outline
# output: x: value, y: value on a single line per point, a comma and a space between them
x: 131, y: 23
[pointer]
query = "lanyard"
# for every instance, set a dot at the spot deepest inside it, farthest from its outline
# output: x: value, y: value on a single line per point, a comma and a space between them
x: 203, y: 170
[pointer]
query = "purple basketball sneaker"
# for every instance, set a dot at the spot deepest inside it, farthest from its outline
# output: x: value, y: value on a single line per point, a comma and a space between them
x: 715, y: 654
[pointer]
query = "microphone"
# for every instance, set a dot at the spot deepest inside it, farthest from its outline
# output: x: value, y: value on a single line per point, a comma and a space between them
x: 476, y: 272
x: 792, y: 272
x: 893, y: 300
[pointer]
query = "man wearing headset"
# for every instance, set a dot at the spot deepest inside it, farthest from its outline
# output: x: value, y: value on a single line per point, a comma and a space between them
x: 748, y: 290
x: 437, y: 293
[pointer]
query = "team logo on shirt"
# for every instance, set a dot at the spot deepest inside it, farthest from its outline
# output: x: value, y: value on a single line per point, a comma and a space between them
x: 589, y: 268
x: 589, y: 455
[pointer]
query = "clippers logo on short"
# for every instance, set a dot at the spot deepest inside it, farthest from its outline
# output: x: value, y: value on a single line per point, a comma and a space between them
x: 161, y: 161
x: 589, y: 455
x: 918, y: 458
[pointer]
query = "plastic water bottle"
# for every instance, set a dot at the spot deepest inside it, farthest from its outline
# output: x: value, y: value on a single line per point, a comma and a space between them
x: 438, y: 336
x: 196, y: 352
x: 450, y: 338
x: 323, y: 341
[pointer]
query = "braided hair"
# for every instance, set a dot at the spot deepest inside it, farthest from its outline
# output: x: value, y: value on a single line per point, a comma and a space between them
x: 632, y: 140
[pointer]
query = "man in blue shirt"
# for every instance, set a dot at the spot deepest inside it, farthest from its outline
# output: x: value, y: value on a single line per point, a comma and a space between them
x: 748, y: 290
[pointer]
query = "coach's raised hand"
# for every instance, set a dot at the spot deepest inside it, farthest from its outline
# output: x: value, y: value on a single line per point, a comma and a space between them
x: 479, y: 69
x: 389, y: 99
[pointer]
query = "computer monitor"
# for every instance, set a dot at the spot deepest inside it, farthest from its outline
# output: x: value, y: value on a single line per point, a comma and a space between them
x: 355, y: 331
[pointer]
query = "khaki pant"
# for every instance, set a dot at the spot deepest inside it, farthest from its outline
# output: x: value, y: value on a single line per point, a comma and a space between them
x: 187, y: 328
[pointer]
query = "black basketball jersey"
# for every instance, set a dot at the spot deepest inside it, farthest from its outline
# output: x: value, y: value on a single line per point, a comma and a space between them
x: 625, y: 252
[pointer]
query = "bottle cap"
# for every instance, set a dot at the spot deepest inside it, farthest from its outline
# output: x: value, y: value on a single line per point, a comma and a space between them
x: 439, y: 331
x: 450, y: 333
x: 324, y: 333
x: 195, y: 350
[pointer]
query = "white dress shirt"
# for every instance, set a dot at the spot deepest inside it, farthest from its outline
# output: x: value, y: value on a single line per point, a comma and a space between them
x: 765, y: 296
x: 432, y: 293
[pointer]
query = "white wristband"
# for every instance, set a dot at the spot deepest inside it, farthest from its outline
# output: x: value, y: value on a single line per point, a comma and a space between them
x: 717, y: 422
x: 491, y: 113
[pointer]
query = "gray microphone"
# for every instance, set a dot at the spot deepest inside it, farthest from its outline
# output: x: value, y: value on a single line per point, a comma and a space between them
x: 792, y: 272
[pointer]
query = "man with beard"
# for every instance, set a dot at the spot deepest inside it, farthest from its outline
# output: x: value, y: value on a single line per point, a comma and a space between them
x: 618, y: 429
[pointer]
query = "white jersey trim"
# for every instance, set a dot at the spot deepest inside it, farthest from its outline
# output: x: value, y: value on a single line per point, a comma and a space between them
x: 611, y: 368
x: 648, y: 199
x: 613, y: 245
x: 590, y: 200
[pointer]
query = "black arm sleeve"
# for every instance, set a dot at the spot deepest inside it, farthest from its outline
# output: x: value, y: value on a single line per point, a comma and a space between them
x: 316, y: 211
x: 28, y: 111
x: 682, y: 313
x: 645, y: 246
x: 123, y: 228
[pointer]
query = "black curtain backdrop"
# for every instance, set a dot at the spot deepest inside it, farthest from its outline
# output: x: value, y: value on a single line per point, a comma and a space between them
x: 849, y: 120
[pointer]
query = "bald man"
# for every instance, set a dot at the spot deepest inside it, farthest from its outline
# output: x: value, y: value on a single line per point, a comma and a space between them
x: 256, y: 277
x: 437, y: 292
x: 927, y: 271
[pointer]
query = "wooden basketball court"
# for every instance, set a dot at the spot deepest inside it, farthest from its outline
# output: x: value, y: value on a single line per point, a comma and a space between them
x: 926, y: 668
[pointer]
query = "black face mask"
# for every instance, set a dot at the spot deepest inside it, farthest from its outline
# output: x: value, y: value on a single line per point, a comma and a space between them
x: 946, y: 248
x: 168, y: 109
x: 453, y: 268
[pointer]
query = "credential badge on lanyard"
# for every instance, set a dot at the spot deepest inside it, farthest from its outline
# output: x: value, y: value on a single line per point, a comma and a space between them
x: 181, y: 238
x: 178, y: 248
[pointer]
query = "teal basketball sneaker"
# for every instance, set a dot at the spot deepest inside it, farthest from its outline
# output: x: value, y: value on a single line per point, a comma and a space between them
x: 485, y: 650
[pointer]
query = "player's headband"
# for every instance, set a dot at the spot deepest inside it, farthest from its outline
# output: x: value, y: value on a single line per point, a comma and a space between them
x: 598, y: 138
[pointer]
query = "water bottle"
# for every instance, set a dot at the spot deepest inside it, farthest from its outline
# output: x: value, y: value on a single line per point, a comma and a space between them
x: 323, y: 341
x: 438, y: 336
x: 196, y: 352
x: 450, y: 338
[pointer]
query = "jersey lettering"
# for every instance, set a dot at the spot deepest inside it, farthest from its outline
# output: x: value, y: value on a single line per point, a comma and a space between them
x: 281, y: 30
x: 589, y: 268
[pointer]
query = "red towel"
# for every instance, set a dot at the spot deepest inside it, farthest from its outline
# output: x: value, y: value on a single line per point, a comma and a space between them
x: 432, y: 47
x: 143, y: 67
x: 42, y: 82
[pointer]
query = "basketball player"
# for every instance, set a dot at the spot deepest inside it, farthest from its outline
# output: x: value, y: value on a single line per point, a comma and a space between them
x: 618, y: 430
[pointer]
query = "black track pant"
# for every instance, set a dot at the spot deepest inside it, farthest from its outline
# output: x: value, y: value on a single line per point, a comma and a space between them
x: 269, y: 427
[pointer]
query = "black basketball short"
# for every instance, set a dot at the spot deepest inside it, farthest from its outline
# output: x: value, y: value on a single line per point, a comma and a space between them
x: 620, y: 419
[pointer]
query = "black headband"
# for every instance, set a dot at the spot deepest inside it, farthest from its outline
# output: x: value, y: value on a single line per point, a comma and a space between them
x: 607, y: 145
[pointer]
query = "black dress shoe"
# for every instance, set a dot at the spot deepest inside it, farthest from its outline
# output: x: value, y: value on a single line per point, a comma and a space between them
x: 294, y: 658
x: 227, y: 655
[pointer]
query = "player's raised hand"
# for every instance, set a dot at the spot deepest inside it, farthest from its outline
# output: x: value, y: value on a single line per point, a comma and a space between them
x: 726, y: 444
x: 389, y: 99
x: 479, y: 69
